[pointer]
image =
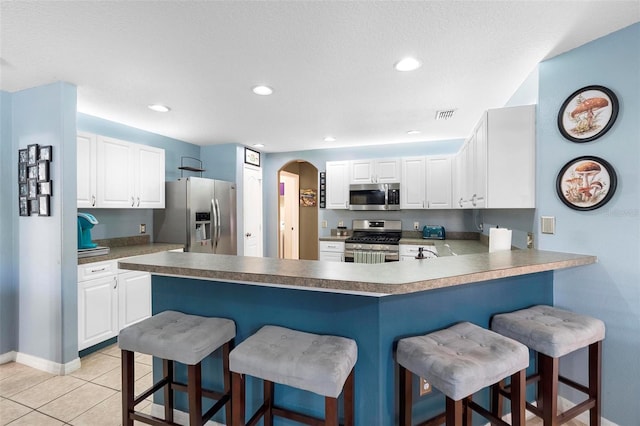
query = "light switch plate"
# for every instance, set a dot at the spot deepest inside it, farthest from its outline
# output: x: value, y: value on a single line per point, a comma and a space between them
x: 548, y: 224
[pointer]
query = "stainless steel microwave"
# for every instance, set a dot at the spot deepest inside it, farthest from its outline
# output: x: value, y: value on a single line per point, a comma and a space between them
x: 374, y: 196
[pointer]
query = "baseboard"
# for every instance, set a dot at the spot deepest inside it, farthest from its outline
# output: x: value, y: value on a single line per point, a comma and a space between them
x: 8, y: 357
x: 48, y: 366
x: 179, y: 417
x: 563, y: 405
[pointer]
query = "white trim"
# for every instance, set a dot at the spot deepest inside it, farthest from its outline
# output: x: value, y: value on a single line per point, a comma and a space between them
x: 48, y: 366
x: 8, y: 357
x: 179, y: 417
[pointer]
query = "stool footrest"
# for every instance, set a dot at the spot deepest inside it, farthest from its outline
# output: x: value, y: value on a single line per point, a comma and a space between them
x: 296, y: 416
x: 258, y: 414
x: 147, y: 393
x: 495, y: 420
x: 575, y: 385
x: 150, y: 420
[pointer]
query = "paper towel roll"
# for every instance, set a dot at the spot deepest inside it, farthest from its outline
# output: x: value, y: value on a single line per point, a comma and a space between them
x: 499, y: 239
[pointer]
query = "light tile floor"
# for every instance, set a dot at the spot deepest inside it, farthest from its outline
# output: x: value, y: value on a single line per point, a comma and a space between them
x: 89, y: 396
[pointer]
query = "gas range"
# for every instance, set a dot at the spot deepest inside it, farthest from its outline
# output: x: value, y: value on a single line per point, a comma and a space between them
x: 374, y: 241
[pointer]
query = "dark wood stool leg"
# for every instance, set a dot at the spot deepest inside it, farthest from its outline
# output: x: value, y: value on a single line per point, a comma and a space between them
x: 454, y: 412
x: 194, y: 390
x: 226, y: 348
x: 167, y: 371
x: 595, y: 381
x: 467, y: 412
x: 349, y: 399
x: 405, y: 398
x: 268, y: 399
x: 518, y: 398
x: 330, y: 411
x: 549, y: 385
x: 127, y: 386
x: 237, y: 399
x: 497, y: 400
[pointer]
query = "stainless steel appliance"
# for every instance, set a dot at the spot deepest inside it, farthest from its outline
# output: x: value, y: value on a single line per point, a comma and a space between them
x: 374, y: 196
x: 200, y: 213
x: 373, y: 241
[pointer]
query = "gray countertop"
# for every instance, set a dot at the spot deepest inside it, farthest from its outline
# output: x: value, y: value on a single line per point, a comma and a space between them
x: 373, y: 280
x: 130, y: 250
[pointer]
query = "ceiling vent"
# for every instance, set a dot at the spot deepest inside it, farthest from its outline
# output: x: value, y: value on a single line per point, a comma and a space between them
x: 445, y: 114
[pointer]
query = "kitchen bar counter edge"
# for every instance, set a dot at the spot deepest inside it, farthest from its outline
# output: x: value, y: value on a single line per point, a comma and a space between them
x: 367, y: 280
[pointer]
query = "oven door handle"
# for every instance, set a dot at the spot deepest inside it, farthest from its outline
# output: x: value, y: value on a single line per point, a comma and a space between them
x: 386, y: 196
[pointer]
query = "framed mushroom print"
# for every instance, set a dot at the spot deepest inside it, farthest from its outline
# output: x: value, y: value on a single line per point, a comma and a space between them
x: 588, y: 113
x: 586, y: 183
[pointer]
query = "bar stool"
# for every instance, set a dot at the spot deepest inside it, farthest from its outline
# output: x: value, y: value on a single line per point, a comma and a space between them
x: 321, y: 364
x: 176, y: 337
x: 553, y: 333
x: 459, y: 361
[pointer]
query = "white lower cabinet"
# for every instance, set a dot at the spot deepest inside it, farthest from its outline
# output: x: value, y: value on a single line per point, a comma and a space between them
x: 332, y: 251
x: 108, y: 301
x: 134, y: 297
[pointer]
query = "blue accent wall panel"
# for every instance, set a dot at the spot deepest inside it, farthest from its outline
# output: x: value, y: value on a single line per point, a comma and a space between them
x: 375, y: 323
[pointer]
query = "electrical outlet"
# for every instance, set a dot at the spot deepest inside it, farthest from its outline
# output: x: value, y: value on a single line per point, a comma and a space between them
x: 416, y: 226
x: 143, y: 228
x: 324, y: 224
x: 425, y: 387
x: 341, y: 223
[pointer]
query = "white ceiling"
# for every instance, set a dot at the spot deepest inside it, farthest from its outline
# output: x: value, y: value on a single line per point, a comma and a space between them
x: 330, y: 62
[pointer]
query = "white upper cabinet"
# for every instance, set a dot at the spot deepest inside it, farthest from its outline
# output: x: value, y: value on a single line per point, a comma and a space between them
x: 426, y: 183
x: 438, y: 182
x: 86, y: 167
x: 496, y: 166
x: 148, y: 175
x: 413, y: 187
x: 113, y: 173
x: 337, y: 185
x: 376, y: 171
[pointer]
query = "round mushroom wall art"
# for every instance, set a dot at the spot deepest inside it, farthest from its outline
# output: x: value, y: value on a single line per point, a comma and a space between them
x: 588, y: 113
x: 586, y: 183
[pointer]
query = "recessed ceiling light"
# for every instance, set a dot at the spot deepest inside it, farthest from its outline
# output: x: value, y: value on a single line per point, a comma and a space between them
x: 407, y: 64
x: 413, y: 132
x: 159, y: 108
x: 330, y: 139
x: 258, y: 145
x: 262, y: 90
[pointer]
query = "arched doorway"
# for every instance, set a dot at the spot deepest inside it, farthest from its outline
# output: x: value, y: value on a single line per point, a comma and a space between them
x: 298, y: 211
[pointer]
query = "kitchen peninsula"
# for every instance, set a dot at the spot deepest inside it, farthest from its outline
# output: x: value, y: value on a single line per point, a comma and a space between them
x: 374, y: 304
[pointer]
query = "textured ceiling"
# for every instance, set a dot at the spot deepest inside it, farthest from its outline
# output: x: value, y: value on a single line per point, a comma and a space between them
x: 330, y: 62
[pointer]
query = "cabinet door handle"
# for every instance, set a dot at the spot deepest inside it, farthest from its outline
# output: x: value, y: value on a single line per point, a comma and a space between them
x: 115, y: 282
x: 104, y: 268
x: 473, y: 200
x: 138, y: 205
x: 248, y: 234
x: 133, y: 203
x: 93, y: 200
x: 460, y: 202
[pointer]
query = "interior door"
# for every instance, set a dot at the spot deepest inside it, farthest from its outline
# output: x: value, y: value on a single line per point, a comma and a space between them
x: 252, y: 207
x: 290, y: 215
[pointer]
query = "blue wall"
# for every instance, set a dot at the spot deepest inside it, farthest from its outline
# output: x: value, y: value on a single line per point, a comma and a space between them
x: 47, y: 267
x: 455, y: 220
x: 610, y: 289
x: 8, y: 231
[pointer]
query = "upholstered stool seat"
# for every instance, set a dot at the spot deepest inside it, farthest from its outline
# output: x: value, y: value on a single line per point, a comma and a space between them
x: 553, y: 333
x: 187, y: 339
x: 321, y: 364
x: 459, y: 361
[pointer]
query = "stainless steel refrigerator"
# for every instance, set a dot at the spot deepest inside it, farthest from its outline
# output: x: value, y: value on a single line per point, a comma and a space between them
x: 199, y: 213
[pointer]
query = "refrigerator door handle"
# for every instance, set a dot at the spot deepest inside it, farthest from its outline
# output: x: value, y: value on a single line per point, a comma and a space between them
x: 218, y: 223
